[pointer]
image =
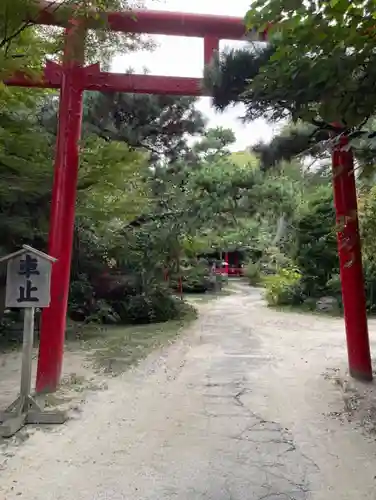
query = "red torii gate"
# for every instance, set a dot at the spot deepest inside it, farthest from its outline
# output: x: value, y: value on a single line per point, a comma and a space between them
x: 72, y: 78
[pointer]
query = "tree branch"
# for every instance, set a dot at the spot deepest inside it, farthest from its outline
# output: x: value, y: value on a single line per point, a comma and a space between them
x: 8, y: 39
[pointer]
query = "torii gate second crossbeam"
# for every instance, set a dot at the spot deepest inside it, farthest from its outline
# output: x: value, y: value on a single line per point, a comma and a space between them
x: 73, y: 78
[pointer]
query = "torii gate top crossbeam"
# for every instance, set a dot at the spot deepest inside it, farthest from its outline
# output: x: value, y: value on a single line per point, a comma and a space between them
x: 152, y: 22
x: 211, y: 28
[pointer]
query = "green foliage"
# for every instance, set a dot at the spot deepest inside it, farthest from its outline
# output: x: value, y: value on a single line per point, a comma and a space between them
x: 159, y: 124
x: 319, y: 67
x: 26, y: 180
x: 288, y: 97
x: 130, y: 301
x: 273, y: 259
x: 24, y: 46
x: 334, y: 287
x: 214, y: 144
x: 229, y: 74
x: 369, y: 267
x: 315, y: 251
x: 26, y: 158
x: 318, y: 45
x: 112, y: 186
x: 194, y: 279
x: 282, y: 288
x: 11, y: 331
x: 368, y: 223
x: 367, y: 226
x: 84, y: 306
x: 253, y: 273
x: 155, y: 305
x: 233, y: 190
x: 299, y: 139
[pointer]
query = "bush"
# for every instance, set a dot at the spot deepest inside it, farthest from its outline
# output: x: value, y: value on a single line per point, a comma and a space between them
x: 334, y: 287
x: 369, y: 267
x: 11, y: 328
x: 283, y: 288
x: 253, y: 273
x: 81, y: 299
x: 156, y: 305
x: 315, y: 251
x: 121, y: 301
x: 273, y: 260
x: 195, y: 279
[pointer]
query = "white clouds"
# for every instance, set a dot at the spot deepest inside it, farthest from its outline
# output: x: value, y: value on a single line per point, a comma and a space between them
x: 184, y: 57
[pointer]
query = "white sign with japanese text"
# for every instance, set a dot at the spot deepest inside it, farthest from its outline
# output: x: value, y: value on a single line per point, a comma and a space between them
x: 28, y: 281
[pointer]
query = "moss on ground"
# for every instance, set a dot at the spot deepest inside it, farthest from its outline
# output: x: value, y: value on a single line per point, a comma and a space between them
x: 114, y: 349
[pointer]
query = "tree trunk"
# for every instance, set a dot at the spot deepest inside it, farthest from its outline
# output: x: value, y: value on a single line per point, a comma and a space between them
x: 281, y: 229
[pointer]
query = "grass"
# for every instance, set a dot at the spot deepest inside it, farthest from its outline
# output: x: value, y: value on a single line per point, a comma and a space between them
x: 114, y: 349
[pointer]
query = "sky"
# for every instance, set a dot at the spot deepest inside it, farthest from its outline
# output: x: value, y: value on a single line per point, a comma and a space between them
x: 178, y: 56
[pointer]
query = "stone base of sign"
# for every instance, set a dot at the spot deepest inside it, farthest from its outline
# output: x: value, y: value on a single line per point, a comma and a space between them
x: 25, y: 410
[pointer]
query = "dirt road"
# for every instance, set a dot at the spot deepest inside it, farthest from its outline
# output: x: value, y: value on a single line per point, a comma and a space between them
x: 235, y: 410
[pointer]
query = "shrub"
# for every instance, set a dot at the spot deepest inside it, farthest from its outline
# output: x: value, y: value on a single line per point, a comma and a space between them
x: 156, y: 305
x: 195, y: 279
x: 122, y: 301
x: 114, y: 285
x: 283, y: 288
x: 81, y: 298
x: 103, y: 313
x: 334, y: 287
x: 253, y: 273
x: 315, y: 251
x: 11, y: 328
x: 273, y: 260
x: 369, y: 267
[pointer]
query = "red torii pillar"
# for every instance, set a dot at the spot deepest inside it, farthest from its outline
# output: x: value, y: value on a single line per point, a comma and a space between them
x: 62, y: 217
x: 350, y: 260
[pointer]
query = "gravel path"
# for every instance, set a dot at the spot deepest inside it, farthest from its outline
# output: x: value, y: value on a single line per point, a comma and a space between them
x: 235, y: 410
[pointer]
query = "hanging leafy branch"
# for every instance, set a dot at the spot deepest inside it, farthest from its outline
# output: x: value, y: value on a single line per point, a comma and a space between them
x: 24, y: 45
x: 324, y: 61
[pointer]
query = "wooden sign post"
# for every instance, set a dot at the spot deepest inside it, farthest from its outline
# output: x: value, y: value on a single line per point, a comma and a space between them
x: 27, y: 287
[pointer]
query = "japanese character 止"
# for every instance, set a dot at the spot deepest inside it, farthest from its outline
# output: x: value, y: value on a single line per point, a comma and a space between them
x: 26, y: 293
